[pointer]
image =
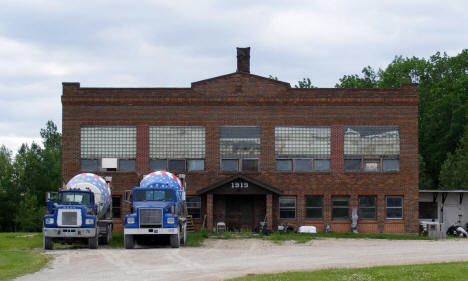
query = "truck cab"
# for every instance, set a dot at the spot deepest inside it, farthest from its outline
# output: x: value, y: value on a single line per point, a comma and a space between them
x: 156, y: 209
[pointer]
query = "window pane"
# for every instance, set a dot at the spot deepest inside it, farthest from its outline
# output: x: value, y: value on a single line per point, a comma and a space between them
x: 352, y: 165
x: 177, y: 142
x: 127, y: 165
x: 366, y: 213
x: 287, y: 214
x: 391, y: 165
x: 372, y: 140
x: 108, y: 142
x: 313, y: 201
x: 394, y: 201
x: 158, y: 165
x: 194, y: 206
x: 89, y: 164
x: 230, y: 165
x: 176, y: 165
x: 371, y: 165
x: 322, y: 165
x: 196, y: 165
x: 287, y: 202
x: 427, y: 210
x: 340, y: 213
x: 303, y: 165
x: 239, y: 142
x: 314, y: 213
x: 340, y: 200
x: 116, y: 207
x: 367, y: 201
x: 249, y: 165
x: 283, y: 165
x: 302, y: 142
x: 394, y: 213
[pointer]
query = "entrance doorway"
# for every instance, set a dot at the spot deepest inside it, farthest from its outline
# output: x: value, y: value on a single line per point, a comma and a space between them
x: 241, y: 212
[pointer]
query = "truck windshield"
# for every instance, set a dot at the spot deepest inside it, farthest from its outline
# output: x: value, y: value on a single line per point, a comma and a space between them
x: 74, y: 198
x: 153, y: 195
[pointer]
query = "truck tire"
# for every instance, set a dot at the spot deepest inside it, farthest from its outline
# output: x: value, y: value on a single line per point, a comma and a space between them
x: 93, y: 242
x: 175, y: 240
x: 108, y: 236
x: 128, y: 241
x: 183, y: 236
x: 48, y: 243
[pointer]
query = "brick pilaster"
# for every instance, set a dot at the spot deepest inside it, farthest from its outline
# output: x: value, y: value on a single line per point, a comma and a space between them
x: 142, y: 157
x: 337, y: 150
x: 269, y: 211
x: 209, y: 211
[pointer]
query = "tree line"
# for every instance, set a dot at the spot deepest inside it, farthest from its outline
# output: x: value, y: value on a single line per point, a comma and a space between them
x: 443, y: 137
x: 26, y: 177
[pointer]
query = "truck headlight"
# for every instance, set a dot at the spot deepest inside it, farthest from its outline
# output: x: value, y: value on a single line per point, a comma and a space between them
x: 170, y: 220
x: 130, y: 220
x: 89, y: 221
x: 49, y: 220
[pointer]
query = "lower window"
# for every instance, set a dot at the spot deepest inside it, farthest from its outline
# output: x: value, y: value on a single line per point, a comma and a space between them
x: 372, y: 165
x: 287, y: 207
x: 367, y: 207
x: 340, y: 207
x: 427, y: 210
x: 235, y: 165
x: 313, y: 205
x: 194, y: 206
x: 177, y: 165
x: 116, y: 207
x: 394, y: 207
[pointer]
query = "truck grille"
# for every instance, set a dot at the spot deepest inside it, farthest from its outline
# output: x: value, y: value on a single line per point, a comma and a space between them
x: 151, y: 217
x: 69, y: 217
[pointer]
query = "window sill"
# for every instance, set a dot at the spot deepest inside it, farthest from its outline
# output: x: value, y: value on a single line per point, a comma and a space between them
x: 396, y: 220
x: 372, y: 173
x: 314, y: 220
x: 239, y: 172
x: 367, y: 220
x: 343, y: 220
x: 304, y: 172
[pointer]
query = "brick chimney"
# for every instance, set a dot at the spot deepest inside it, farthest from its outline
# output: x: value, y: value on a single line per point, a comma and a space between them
x: 243, y: 60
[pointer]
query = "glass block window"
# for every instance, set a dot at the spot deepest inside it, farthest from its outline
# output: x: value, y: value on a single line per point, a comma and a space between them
x: 287, y: 207
x: 108, y: 142
x: 313, y: 205
x: 340, y: 207
x: 394, y: 207
x: 194, y: 206
x: 372, y: 148
x: 307, y: 148
x: 177, y: 142
x: 367, y: 207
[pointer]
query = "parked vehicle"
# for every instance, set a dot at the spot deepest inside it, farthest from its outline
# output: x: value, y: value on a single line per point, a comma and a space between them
x: 457, y: 230
x: 158, y: 208
x: 82, y: 213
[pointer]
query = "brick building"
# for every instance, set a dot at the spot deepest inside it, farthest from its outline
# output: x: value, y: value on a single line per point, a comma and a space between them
x: 251, y: 147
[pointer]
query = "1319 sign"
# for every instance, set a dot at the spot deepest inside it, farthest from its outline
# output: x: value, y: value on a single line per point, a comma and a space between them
x: 239, y: 185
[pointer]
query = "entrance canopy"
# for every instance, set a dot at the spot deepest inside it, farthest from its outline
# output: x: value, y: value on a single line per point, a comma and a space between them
x: 239, y: 185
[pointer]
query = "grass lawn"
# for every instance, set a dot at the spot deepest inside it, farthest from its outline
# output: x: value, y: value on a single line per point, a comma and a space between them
x: 437, y: 271
x: 19, y: 254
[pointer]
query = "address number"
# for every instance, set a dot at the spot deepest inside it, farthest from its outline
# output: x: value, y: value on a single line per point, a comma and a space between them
x: 239, y: 185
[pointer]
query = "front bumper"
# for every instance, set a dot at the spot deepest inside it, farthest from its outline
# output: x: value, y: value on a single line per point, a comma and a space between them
x: 150, y: 231
x: 69, y: 232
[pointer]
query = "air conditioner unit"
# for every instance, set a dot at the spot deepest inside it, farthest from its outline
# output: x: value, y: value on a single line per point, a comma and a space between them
x: 109, y: 163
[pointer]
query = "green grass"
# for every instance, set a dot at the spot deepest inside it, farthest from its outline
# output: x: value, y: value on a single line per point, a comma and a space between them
x: 117, y: 240
x: 438, y: 271
x: 304, y: 237
x: 19, y: 254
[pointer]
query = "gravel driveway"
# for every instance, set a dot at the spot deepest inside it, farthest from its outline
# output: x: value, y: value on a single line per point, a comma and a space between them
x: 222, y: 259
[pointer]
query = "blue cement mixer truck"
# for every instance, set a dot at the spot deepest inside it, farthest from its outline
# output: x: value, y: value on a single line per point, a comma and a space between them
x: 157, y: 208
x: 82, y: 212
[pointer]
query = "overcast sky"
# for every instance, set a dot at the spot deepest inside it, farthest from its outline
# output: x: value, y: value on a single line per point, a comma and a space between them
x: 173, y: 43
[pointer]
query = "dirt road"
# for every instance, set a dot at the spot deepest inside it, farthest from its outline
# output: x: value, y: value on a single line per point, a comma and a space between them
x: 222, y: 259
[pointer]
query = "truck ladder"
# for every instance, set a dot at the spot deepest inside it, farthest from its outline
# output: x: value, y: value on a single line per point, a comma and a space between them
x: 190, y: 226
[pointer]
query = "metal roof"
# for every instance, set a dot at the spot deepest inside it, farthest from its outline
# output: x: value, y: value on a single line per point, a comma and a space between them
x: 444, y: 190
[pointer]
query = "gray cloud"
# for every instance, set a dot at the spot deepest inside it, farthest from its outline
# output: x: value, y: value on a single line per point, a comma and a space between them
x: 172, y: 43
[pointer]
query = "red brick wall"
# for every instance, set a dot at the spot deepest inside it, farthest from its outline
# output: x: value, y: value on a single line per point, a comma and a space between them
x: 241, y: 99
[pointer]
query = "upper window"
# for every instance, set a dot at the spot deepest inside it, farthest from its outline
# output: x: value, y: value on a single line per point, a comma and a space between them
x: 239, y: 148
x: 372, y: 149
x: 116, y: 143
x: 177, y: 148
x: 302, y: 149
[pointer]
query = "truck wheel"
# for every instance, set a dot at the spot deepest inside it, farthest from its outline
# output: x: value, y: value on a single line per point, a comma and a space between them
x: 175, y: 240
x: 128, y: 241
x: 93, y: 242
x: 48, y: 243
x: 183, y: 236
x: 106, y: 238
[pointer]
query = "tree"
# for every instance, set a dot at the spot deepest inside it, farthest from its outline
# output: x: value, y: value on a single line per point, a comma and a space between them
x: 454, y: 172
x: 305, y: 83
x: 7, y: 206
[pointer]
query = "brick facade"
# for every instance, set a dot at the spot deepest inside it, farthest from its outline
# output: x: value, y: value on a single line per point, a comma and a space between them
x: 242, y: 98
